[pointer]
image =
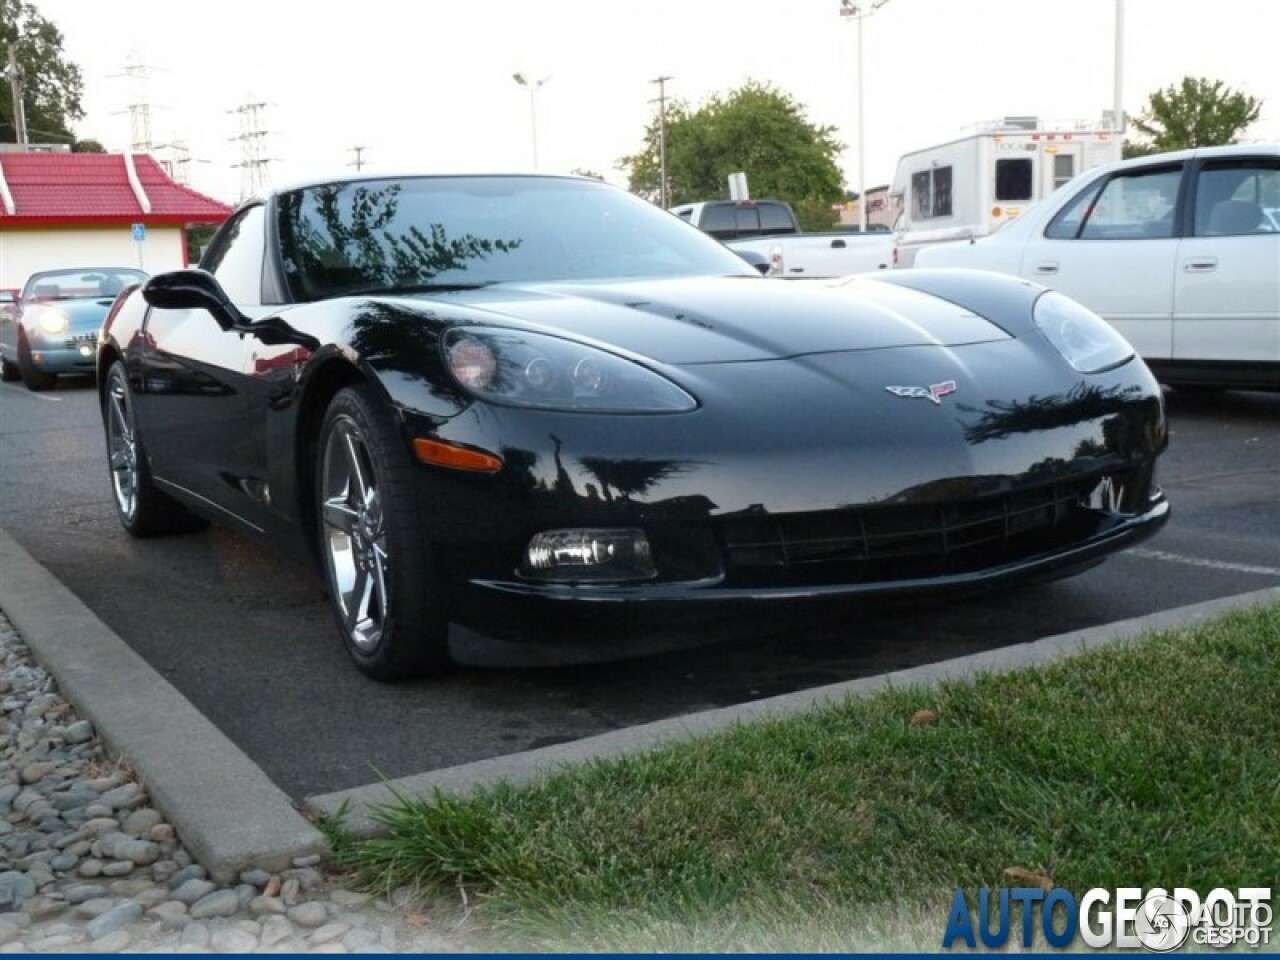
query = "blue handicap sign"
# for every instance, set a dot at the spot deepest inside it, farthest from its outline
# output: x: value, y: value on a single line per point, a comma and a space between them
x: 139, y: 232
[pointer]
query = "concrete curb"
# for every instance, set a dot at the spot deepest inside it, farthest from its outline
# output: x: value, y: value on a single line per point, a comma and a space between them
x: 360, y: 802
x: 231, y: 816
x: 225, y: 810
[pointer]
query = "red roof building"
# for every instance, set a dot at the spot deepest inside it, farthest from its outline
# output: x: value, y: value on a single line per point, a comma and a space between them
x: 94, y: 209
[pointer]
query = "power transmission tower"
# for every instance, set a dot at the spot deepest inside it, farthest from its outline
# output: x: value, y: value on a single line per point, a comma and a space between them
x: 178, y: 166
x: 664, y: 185
x: 139, y: 106
x: 252, y: 140
x: 358, y: 161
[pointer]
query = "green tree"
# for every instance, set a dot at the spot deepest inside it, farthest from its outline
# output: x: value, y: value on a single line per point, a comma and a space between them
x: 1196, y: 112
x: 757, y: 129
x: 51, y: 84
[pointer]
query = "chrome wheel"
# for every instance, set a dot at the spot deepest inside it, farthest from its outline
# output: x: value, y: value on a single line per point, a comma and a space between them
x: 122, y: 448
x: 354, y: 534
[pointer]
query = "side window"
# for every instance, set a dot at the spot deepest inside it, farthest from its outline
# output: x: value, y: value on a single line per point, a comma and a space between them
x: 931, y: 193
x: 1139, y: 206
x: 921, y: 195
x: 1066, y: 225
x: 1130, y: 206
x: 1013, y: 179
x: 1238, y: 197
x: 1064, y: 168
x: 236, y: 256
x: 942, y: 192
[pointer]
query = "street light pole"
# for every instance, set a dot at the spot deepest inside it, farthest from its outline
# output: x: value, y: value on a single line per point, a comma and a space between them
x: 664, y: 188
x: 1117, y: 108
x: 532, y: 86
x: 856, y: 12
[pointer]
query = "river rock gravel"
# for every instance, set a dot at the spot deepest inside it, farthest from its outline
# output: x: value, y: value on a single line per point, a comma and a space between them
x: 88, y: 866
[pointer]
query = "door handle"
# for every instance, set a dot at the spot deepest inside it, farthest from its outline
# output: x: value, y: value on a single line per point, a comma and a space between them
x: 1201, y: 265
x: 1048, y: 266
x: 838, y: 244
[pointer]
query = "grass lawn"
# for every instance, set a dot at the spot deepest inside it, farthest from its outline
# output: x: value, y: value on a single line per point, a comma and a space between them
x: 849, y: 828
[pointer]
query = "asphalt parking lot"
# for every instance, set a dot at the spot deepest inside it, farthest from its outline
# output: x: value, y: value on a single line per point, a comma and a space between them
x: 249, y: 641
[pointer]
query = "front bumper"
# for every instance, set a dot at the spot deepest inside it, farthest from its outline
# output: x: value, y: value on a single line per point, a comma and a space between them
x: 76, y: 353
x: 519, y: 622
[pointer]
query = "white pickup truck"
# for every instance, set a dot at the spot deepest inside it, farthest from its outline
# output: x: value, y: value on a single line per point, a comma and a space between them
x: 768, y: 232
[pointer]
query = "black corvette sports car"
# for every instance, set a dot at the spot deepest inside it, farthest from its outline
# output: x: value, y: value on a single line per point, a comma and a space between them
x: 534, y: 413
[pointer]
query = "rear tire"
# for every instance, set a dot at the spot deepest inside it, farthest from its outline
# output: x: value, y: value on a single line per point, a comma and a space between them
x: 34, y: 378
x: 9, y: 371
x: 375, y: 553
x: 144, y: 509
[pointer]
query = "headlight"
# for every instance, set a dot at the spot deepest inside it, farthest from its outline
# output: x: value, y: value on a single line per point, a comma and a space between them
x: 534, y: 370
x: 53, y: 322
x: 1084, y: 339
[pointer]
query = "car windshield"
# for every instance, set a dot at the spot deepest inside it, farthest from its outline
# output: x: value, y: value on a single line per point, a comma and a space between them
x: 444, y: 233
x: 80, y: 284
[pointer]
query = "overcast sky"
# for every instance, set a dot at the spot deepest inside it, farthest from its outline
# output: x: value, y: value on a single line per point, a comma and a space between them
x: 427, y: 85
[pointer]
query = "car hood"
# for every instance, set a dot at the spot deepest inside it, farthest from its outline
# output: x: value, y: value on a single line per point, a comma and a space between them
x: 735, y: 319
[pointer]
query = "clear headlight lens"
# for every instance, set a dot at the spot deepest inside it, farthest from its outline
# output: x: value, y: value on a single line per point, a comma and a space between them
x: 1084, y: 339
x: 53, y: 322
x: 534, y: 370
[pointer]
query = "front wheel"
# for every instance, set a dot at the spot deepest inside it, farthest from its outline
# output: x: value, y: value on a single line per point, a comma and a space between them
x: 9, y: 371
x: 35, y: 378
x: 144, y: 509
x: 373, y: 542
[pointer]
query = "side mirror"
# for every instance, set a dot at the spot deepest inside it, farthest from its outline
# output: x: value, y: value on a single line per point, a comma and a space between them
x: 756, y: 259
x: 193, y: 290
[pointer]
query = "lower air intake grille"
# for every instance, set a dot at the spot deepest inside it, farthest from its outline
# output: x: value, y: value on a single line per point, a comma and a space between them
x: 883, y: 543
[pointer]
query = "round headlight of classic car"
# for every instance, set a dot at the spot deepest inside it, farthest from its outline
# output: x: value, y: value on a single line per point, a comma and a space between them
x: 53, y: 322
x: 536, y: 370
x: 1084, y: 339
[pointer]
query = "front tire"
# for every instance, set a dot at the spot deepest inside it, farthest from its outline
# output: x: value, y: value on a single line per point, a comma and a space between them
x: 9, y: 371
x: 372, y: 530
x: 35, y: 378
x: 144, y: 509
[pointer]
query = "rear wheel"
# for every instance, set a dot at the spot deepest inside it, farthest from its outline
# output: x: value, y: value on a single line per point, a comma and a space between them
x: 33, y: 377
x: 373, y: 542
x: 8, y: 370
x: 143, y: 509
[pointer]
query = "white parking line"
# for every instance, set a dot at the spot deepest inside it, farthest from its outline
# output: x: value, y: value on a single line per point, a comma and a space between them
x: 1201, y: 562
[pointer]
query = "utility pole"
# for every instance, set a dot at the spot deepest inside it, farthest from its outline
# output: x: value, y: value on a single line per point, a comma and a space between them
x: 664, y: 185
x: 358, y: 162
x: 19, y: 108
x: 252, y: 139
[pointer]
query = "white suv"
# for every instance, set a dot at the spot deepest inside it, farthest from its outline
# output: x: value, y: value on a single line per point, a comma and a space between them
x: 1179, y: 251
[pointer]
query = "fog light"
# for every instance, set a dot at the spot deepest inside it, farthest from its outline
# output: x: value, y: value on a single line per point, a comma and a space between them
x: 589, y: 554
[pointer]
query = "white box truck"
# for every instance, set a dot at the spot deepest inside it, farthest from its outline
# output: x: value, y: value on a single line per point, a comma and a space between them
x: 972, y: 186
